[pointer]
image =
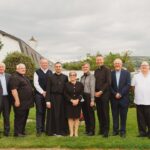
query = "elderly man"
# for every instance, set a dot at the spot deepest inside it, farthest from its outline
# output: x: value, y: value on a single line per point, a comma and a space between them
x: 5, y: 101
x: 120, y: 86
x: 141, y: 83
x: 88, y: 80
x: 23, y: 99
x: 102, y: 95
x: 40, y: 82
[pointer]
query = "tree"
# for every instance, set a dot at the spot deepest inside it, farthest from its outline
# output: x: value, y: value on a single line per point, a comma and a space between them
x: 109, y: 59
x: 125, y: 57
x: 14, y: 58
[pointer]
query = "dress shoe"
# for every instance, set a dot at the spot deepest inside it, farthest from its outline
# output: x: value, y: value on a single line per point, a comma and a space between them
x: 100, y: 133
x: 115, y: 133
x: 105, y: 135
x: 142, y: 135
x: 86, y: 132
x: 90, y: 134
x: 19, y: 135
x: 6, y: 134
x: 123, y: 135
x: 38, y: 134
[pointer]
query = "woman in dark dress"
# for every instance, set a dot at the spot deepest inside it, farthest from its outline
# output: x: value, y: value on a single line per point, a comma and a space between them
x: 73, y: 93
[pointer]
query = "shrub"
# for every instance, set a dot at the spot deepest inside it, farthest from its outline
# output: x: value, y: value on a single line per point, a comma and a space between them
x: 14, y: 58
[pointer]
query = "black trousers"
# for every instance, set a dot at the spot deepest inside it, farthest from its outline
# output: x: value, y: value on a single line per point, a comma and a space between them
x: 88, y: 113
x: 119, y: 114
x: 102, y: 106
x: 21, y: 116
x: 6, y: 108
x: 40, y: 112
x: 143, y: 118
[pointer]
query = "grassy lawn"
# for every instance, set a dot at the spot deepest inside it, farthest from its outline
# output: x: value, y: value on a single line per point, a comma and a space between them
x: 130, y: 142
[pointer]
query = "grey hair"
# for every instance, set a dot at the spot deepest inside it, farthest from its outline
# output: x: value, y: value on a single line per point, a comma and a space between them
x: 2, y: 64
x: 20, y: 65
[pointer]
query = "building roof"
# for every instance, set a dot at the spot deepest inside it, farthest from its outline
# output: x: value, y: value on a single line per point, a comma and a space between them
x: 23, y: 48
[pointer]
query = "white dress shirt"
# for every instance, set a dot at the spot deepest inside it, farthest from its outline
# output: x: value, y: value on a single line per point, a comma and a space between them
x: 142, y: 89
x: 118, y: 77
x: 36, y: 81
x: 4, y: 84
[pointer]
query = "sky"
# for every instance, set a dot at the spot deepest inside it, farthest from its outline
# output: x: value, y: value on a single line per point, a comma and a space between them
x: 67, y: 30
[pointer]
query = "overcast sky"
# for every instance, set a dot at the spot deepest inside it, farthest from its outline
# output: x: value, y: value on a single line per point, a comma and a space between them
x: 69, y: 29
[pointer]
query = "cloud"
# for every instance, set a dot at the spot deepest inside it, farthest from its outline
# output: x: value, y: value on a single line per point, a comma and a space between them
x: 69, y: 29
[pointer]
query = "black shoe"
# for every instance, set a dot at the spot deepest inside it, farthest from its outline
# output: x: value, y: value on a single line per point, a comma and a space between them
x: 100, y: 133
x: 91, y: 134
x: 123, y: 135
x: 19, y: 135
x: 115, y: 133
x: 38, y: 134
x: 86, y: 132
x: 105, y: 135
x: 142, y: 135
x: 6, y: 134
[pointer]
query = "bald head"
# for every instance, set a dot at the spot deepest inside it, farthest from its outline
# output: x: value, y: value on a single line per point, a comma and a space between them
x: 118, y: 64
x: 44, y: 63
x: 144, y: 67
x: 21, y: 68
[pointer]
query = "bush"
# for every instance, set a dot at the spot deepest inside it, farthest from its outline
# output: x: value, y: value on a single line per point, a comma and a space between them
x: 14, y: 58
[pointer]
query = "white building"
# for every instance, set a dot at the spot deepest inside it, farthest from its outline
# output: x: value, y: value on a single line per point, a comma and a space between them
x: 12, y: 43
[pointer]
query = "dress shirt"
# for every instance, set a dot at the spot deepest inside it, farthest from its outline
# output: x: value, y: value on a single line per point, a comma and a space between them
x: 118, y: 77
x: 4, y: 84
x: 36, y: 81
x: 88, y: 82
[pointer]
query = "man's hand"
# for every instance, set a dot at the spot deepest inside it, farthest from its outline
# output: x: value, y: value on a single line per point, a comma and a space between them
x: 118, y: 96
x: 17, y: 103
x: 75, y: 102
x: 44, y: 94
x: 48, y: 105
x: 92, y: 103
x: 98, y: 94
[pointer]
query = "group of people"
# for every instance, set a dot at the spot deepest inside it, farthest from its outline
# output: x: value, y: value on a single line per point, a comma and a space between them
x: 59, y: 99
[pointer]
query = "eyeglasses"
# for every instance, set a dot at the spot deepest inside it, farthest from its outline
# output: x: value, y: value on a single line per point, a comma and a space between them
x: 72, y: 75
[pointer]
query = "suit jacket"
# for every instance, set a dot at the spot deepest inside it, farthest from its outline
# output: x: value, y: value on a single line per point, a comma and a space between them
x: 123, y: 87
x: 7, y: 76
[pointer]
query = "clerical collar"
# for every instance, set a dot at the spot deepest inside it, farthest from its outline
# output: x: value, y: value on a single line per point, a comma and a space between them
x: 57, y: 74
x: 100, y: 67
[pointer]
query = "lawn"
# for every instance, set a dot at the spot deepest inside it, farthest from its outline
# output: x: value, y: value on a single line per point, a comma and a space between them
x: 31, y: 141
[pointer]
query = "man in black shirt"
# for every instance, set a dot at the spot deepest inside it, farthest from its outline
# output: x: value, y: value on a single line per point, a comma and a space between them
x: 102, y: 93
x: 23, y: 99
x: 56, y: 119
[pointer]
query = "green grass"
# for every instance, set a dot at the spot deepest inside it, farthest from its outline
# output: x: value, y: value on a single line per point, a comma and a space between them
x: 31, y: 141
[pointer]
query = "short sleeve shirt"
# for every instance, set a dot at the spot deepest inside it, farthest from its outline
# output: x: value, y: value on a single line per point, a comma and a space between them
x: 142, y: 89
x: 24, y: 89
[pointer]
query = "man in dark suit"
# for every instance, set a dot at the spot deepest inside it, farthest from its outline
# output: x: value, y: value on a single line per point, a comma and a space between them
x: 120, y: 86
x: 5, y: 102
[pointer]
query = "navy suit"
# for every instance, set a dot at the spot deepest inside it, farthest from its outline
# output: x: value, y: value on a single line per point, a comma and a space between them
x: 120, y: 106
